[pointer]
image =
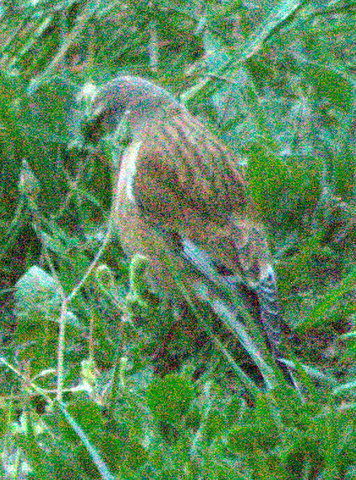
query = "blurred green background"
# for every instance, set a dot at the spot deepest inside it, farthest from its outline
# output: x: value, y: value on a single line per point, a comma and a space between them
x: 276, y: 82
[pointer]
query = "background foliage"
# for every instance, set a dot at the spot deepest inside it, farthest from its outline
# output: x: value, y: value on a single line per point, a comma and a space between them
x: 276, y: 81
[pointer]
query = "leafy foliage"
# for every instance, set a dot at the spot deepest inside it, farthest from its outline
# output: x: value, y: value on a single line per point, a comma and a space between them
x: 85, y: 342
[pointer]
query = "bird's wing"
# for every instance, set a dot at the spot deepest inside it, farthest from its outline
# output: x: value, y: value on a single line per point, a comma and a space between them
x: 183, y: 158
x: 188, y: 184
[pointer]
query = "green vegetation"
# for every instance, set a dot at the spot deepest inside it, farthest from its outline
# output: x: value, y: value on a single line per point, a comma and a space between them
x: 98, y: 378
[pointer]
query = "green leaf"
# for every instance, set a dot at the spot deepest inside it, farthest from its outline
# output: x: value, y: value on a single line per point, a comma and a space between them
x: 269, y: 179
x: 332, y: 83
x: 332, y: 298
x: 216, y: 57
x: 87, y: 442
x: 48, y: 111
x: 38, y: 296
x: 170, y: 397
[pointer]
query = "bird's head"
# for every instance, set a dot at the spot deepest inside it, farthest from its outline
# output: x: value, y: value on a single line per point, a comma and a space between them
x: 131, y: 97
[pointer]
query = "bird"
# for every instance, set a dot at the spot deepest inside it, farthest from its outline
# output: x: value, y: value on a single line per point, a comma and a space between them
x: 181, y: 195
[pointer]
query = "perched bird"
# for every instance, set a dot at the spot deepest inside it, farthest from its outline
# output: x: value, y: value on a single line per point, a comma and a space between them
x: 181, y: 194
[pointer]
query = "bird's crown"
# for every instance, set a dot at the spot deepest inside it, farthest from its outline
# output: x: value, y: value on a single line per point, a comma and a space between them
x: 131, y: 93
x: 134, y: 97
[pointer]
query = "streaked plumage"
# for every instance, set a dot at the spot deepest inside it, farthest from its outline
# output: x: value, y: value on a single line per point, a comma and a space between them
x: 180, y: 192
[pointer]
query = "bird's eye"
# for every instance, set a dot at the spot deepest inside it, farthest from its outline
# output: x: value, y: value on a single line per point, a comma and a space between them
x: 102, y: 124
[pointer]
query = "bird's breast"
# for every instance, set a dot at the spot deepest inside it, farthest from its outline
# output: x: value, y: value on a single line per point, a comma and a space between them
x: 136, y: 234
